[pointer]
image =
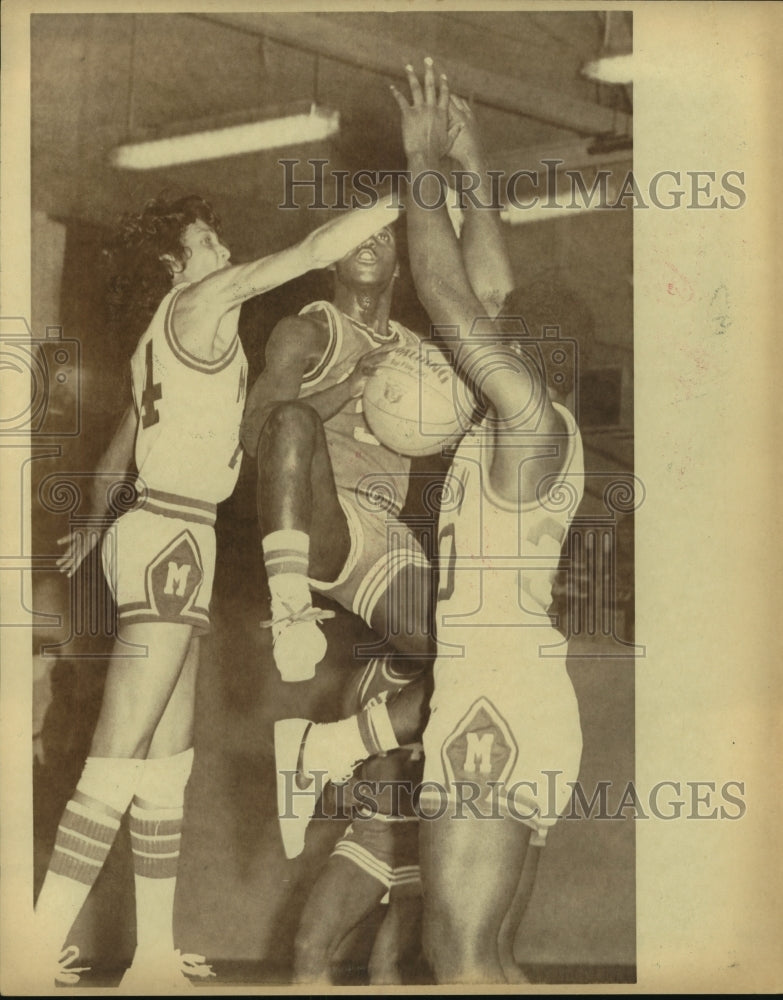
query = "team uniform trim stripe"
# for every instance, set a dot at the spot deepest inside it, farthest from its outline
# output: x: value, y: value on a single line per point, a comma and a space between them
x: 156, y: 849
x: 155, y: 867
x: 317, y: 372
x: 285, y: 554
x: 132, y: 609
x: 86, y: 807
x: 171, y: 505
x: 80, y: 821
x: 77, y: 857
x: 366, y: 680
x: 135, y: 618
x: 296, y: 559
x: 380, y: 576
x: 155, y: 852
x: 388, y: 877
x: 155, y: 828
x: 176, y: 498
x: 81, y: 847
x: 188, y: 359
x: 76, y: 870
x: 363, y: 859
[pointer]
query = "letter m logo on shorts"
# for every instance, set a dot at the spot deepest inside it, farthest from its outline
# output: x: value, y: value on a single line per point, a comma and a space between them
x: 480, y: 748
x: 174, y: 577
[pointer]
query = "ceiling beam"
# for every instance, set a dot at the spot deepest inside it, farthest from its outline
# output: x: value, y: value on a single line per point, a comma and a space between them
x: 581, y: 153
x: 385, y: 55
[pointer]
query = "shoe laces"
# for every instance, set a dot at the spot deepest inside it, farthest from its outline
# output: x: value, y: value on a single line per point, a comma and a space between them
x: 68, y: 974
x: 307, y: 613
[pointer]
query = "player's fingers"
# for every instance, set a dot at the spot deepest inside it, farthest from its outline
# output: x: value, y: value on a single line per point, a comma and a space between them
x: 63, y: 540
x: 413, y: 83
x: 451, y: 135
x: 461, y: 103
x: 443, y: 99
x: 429, y: 81
x: 399, y: 98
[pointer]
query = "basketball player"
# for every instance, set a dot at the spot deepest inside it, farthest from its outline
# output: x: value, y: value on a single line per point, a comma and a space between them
x: 188, y: 378
x: 376, y: 861
x: 329, y: 514
x: 329, y: 517
x: 503, y: 740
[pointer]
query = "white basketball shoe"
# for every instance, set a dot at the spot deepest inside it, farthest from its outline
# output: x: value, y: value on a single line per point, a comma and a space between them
x: 306, y: 757
x: 298, y: 644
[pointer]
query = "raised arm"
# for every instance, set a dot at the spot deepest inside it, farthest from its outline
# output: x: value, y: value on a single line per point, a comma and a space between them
x: 484, y: 250
x: 528, y: 442
x: 232, y: 285
x: 202, y: 305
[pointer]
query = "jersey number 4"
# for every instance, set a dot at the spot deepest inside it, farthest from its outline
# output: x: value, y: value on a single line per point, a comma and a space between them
x: 152, y: 393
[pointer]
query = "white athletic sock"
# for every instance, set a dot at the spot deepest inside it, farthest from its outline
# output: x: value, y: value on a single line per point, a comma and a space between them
x: 335, y: 747
x: 85, y: 835
x: 156, y: 830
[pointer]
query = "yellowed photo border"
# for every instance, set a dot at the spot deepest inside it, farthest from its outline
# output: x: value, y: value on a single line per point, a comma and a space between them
x: 709, y: 692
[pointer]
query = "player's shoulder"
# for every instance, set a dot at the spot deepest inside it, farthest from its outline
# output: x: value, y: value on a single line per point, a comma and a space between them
x: 303, y: 333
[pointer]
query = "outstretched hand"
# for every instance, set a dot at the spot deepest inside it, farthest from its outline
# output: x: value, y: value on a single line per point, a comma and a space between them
x: 78, y: 545
x: 425, y: 121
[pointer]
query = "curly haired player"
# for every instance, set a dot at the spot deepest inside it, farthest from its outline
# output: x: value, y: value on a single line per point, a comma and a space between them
x: 189, y: 373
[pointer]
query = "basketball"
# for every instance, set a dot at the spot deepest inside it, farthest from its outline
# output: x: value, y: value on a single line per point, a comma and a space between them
x: 414, y: 403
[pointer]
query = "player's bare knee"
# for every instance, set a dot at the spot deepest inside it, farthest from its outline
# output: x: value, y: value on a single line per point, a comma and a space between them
x: 291, y: 416
x: 290, y: 427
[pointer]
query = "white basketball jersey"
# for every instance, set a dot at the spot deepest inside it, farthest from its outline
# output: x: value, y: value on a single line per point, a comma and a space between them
x: 497, y: 560
x: 359, y: 461
x: 189, y: 410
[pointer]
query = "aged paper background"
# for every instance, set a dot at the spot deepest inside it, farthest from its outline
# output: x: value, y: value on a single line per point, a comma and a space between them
x: 709, y: 690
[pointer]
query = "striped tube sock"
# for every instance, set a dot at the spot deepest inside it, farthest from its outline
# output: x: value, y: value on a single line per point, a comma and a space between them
x: 287, y: 555
x: 155, y: 839
x: 156, y: 832
x: 298, y: 644
x: 85, y: 835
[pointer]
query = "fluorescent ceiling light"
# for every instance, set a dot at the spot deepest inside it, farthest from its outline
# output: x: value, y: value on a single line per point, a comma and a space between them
x: 232, y: 140
x: 611, y: 69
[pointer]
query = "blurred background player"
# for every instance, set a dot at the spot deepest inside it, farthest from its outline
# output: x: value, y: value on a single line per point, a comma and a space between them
x: 174, y: 277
